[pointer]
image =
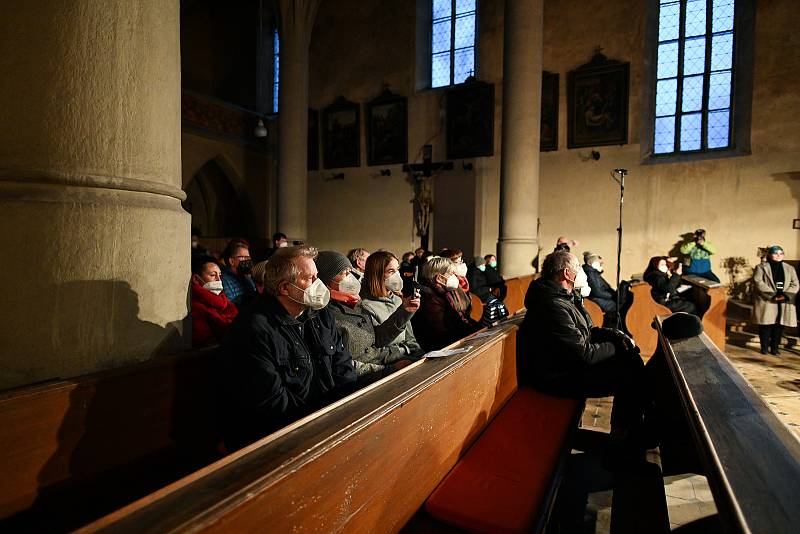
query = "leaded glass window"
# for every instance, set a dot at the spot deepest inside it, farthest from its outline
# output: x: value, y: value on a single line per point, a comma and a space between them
x: 276, y: 49
x: 694, y: 76
x: 453, y: 24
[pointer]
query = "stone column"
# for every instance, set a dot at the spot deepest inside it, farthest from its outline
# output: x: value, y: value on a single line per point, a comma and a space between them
x: 95, y: 242
x: 519, y: 164
x: 296, y: 22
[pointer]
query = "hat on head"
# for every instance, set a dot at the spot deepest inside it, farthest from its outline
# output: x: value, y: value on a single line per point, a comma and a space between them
x: 774, y: 248
x: 258, y: 272
x: 329, y: 264
x: 590, y: 257
x: 479, y: 261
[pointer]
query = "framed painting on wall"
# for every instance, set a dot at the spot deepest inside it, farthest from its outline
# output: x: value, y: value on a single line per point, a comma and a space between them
x: 313, y: 140
x: 548, y: 133
x: 470, y: 120
x: 341, y: 134
x: 387, y: 129
x: 597, y: 95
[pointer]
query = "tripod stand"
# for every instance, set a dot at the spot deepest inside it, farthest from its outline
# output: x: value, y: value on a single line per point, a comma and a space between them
x: 621, y: 182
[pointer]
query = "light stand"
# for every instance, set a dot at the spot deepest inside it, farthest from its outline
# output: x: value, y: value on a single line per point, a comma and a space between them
x: 621, y: 182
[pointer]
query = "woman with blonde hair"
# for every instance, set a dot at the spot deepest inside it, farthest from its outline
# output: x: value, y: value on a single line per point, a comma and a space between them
x: 381, y: 296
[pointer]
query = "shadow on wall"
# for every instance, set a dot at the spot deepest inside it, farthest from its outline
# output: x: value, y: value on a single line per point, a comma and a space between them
x: 792, y: 179
x: 675, y: 251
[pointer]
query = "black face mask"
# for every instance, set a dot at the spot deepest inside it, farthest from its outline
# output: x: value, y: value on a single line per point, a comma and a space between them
x: 244, y: 267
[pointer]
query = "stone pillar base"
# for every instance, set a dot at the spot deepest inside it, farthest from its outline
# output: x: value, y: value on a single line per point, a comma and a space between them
x: 517, y: 254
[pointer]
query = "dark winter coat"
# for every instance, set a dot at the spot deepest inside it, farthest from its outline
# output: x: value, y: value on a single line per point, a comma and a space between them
x: 602, y: 293
x: 478, y: 284
x: 438, y: 321
x: 276, y: 369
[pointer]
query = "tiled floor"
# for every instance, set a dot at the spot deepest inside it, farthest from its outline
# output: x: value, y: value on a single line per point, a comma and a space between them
x: 776, y: 379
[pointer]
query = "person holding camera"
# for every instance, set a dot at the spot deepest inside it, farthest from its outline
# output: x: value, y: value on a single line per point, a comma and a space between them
x: 775, y: 287
x: 698, y: 252
x: 664, y: 277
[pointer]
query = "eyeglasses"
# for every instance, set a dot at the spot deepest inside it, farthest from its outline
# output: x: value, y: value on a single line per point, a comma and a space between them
x: 241, y: 258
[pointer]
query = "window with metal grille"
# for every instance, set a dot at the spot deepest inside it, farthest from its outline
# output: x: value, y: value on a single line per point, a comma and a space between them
x: 453, y: 24
x: 276, y: 49
x: 694, y: 76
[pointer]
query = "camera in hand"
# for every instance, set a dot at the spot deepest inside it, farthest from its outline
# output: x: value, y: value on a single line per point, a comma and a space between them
x: 409, y: 276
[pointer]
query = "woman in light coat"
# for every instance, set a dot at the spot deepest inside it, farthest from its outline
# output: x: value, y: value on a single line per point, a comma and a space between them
x: 775, y: 287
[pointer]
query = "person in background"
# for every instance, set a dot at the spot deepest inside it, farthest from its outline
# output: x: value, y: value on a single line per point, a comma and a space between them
x: 381, y: 298
x: 441, y: 319
x: 408, y: 258
x: 562, y: 243
x: 197, y: 248
x: 279, y: 240
x: 457, y: 257
x: 664, y: 278
x: 373, y: 345
x: 258, y: 275
x: 698, y: 252
x: 236, y: 275
x: 478, y: 285
x: 602, y: 293
x: 358, y: 258
x: 775, y: 287
x: 493, y: 277
x: 284, y: 357
x: 212, y: 312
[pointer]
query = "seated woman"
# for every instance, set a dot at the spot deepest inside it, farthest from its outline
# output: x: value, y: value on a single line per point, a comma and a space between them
x: 457, y: 257
x: 374, y: 356
x: 442, y: 318
x: 380, y: 294
x: 212, y: 312
x: 665, y: 285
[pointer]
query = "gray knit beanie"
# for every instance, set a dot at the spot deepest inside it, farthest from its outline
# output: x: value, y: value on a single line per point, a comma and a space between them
x: 479, y: 261
x: 330, y: 264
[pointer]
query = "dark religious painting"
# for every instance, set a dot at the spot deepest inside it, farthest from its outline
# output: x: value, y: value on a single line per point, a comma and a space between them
x: 597, y: 96
x: 548, y: 133
x: 387, y: 129
x: 470, y: 120
x: 341, y: 134
x: 313, y: 140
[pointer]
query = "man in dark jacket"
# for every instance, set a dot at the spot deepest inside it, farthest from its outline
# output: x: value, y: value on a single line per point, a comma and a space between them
x: 493, y: 277
x: 284, y: 357
x: 560, y: 353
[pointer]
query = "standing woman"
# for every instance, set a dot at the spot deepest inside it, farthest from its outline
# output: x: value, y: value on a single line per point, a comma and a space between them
x: 776, y: 285
x: 380, y: 297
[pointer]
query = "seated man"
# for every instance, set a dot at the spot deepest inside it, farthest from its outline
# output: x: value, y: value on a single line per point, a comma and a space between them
x: 478, y: 285
x: 560, y: 353
x: 496, y: 282
x: 698, y: 254
x: 358, y: 258
x: 602, y: 293
x: 562, y: 243
x: 237, y: 281
x: 212, y: 312
x: 284, y: 356
x: 279, y: 240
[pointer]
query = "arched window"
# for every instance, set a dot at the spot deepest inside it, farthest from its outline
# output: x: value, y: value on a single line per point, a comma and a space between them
x: 453, y: 25
x: 696, y: 79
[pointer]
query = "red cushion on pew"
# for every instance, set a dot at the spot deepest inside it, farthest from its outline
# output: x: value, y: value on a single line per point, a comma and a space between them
x: 498, y: 485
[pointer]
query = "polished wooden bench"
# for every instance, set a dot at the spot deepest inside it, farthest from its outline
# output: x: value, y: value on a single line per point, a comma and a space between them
x: 639, y: 318
x: 74, y: 450
x: 594, y: 312
x: 751, y: 459
x: 711, y: 299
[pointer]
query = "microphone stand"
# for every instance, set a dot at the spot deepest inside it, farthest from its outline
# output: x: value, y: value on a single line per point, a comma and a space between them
x: 621, y: 182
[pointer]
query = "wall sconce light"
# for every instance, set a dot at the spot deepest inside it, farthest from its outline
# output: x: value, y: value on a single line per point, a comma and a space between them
x: 336, y: 176
x: 260, y: 130
x: 386, y: 172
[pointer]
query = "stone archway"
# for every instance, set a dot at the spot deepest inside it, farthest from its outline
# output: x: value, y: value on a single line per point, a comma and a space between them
x: 216, y: 207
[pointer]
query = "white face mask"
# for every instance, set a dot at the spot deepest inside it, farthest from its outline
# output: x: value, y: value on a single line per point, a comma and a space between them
x: 663, y: 268
x: 582, y: 283
x: 394, y: 282
x: 215, y: 286
x: 482, y: 268
x: 283, y: 244
x: 461, y: 269
x: 194, y: 244
x: 597, y: 267
x: 315, y: 296
x: 350, y: 285
x: 452, y: 282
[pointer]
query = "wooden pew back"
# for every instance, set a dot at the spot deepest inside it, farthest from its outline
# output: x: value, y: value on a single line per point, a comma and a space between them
x: 640, y: 315
x: 364, y: 464
x: 751, y: 459
x: 59, y: 434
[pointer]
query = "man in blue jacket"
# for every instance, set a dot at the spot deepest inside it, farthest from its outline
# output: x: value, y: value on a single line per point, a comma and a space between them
x: 284, y: 357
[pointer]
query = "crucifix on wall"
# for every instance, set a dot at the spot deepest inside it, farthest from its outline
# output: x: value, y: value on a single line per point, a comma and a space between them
x: 421, y: 174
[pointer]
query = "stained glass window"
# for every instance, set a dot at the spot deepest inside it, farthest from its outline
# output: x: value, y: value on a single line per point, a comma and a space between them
x: 694, y: 76
x: 276, y: 49
x: 453, y: 24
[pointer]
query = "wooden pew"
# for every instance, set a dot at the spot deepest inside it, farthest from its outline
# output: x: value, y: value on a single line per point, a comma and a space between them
x: 751, y: 459
x: 74, y: 450
x: 364, y: 464
x: 711, y: 299
x: 639, y: 318
x: 594, y: 312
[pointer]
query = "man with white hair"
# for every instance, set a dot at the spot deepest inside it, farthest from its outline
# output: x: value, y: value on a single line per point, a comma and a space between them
x: 284, y: 357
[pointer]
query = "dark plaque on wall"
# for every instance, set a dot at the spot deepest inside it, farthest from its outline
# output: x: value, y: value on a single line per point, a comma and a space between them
x: 470, y: 120
x: 313, y: 139
x: 548, y: 133
x: 387, y: 129
x: 341, y: 135
x: 597, y: 96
